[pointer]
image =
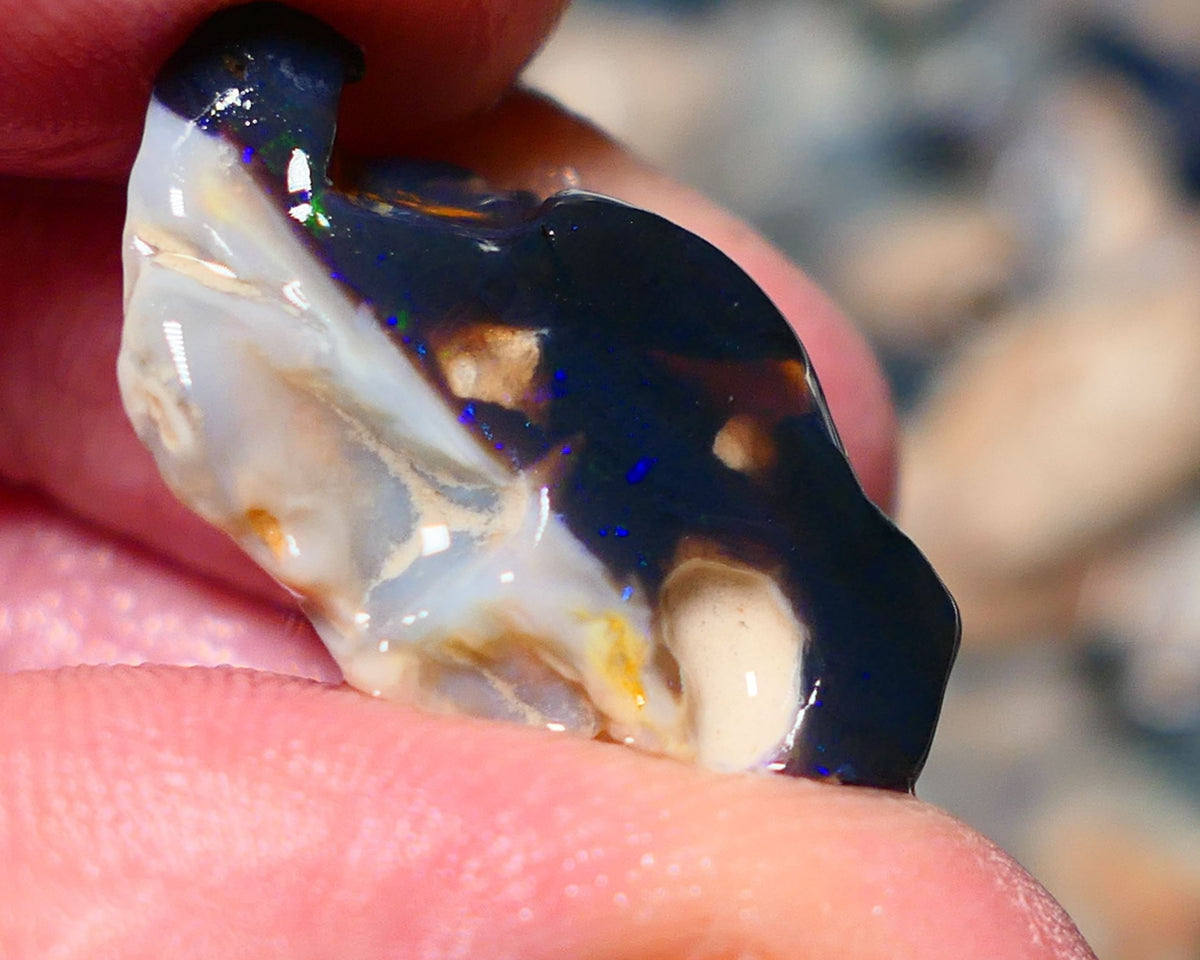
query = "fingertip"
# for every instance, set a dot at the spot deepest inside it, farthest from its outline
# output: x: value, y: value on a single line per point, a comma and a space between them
x: 76, y: 75
x: 428, y: 63
x: 971, y: 898
x: 267, y: 815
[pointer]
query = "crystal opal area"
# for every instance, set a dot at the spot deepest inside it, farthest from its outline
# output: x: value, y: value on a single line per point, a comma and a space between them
x: 1004, y: 196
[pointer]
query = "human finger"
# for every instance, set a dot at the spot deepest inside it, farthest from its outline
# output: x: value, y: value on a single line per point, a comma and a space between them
x: 202, y: 813
x: 76, y: 75
x: 74, y: 594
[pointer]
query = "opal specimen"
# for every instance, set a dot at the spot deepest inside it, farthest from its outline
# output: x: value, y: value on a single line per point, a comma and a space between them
x: 555, y: 461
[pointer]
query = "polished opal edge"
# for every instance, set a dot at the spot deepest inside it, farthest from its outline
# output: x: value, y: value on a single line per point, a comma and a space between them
x: 557, y: 461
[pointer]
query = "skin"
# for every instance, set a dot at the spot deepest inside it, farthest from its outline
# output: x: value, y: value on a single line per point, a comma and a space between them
x: 211, y: 811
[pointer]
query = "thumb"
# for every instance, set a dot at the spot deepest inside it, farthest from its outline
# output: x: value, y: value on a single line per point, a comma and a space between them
x: 198, y: 813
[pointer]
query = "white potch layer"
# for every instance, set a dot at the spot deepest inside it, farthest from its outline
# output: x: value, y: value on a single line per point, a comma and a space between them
x: 279, y: 410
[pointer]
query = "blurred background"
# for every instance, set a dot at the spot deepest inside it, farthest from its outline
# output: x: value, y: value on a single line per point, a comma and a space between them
x: 1004, y: 195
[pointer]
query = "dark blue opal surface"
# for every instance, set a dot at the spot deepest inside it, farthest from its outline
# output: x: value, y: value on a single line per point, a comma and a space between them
x: 669, y: 411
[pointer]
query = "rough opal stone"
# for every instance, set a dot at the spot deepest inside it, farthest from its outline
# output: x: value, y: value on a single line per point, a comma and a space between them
x: 554, y: 461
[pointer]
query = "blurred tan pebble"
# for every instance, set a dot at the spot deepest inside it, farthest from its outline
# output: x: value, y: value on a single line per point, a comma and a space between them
x: 1131, y: 881
x: 1058, y: 430
x: 1144, y: 597
x: 916, y: 273
x: 646, y: 80
x: 1085, y: 179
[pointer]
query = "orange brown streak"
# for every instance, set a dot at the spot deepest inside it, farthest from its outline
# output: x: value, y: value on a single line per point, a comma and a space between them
x: 768, y: 390
x: 267, y: 528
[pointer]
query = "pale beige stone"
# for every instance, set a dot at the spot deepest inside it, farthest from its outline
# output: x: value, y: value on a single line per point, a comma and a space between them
x: 1058, y: 428
x: 1131, y: 879
x: 1087, y: 178
x: 918, y: 271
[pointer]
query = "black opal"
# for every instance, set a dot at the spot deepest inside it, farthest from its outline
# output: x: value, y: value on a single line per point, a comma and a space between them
x: 654, y: 340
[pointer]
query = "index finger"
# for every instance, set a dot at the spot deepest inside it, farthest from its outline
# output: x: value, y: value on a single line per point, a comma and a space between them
x: 76, y: 75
